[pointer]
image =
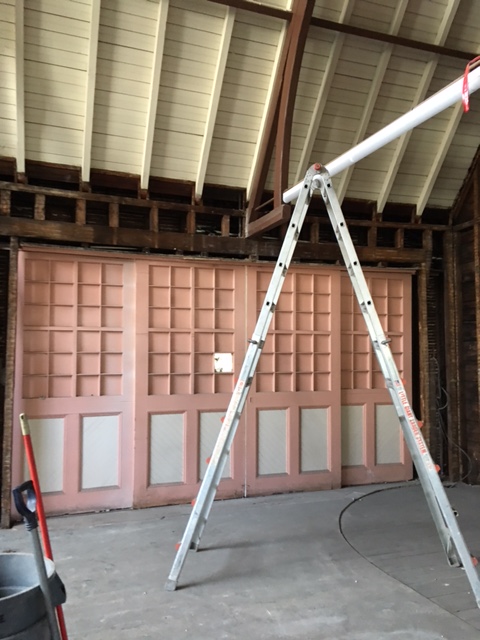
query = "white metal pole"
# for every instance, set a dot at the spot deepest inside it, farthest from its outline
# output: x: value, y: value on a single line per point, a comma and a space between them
x: 435, y: 104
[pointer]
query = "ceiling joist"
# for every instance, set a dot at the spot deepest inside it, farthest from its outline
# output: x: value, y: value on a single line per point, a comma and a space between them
x: 214, y: 101
x: 90, y: 90
x: 20, y: 84
x: 162, y: 16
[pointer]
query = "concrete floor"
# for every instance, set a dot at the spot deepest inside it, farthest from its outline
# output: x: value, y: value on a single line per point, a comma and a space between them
x: 270, y: 568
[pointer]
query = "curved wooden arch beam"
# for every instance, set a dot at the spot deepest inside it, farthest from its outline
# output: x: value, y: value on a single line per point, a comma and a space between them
x: 278, y: 124
x: 302, y: 14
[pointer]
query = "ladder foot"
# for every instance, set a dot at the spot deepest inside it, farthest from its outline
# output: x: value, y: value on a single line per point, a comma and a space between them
x: 194, y: 546
x: 170, y: 585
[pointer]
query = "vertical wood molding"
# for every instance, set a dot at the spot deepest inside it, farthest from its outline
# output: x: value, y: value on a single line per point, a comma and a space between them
x: 8, y: 417
x: 424, y: 355
x: 452, y: 309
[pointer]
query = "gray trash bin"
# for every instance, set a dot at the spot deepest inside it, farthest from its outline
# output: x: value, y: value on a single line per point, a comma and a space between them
x: 22, y: 607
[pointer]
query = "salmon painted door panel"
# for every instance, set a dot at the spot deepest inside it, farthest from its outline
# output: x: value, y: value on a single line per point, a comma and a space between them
x: 190, y: 339
x: 74, y: 379
x: 293, y: 413
x: 373, y: 448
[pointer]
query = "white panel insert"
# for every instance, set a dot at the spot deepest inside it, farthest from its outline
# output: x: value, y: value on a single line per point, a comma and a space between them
x: 314, y: 439
x: 387, y: 435
x: 100, y: 450
x: 352, y: 435
x: 166, y: 448
x: 272, y: 441
x: 210, y: 425
x: 47, y: 436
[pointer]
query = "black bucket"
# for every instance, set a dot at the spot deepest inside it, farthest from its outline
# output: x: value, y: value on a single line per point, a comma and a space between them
x: 23, y: 614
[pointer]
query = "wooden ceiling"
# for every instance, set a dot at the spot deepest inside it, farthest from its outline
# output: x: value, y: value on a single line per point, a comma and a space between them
x: 238, y: 93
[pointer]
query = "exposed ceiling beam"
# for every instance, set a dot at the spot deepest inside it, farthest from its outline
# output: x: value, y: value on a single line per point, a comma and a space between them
x: 154, y: 88
x: 214, y: 101
x: 268, y: 112
x: 372, y: 95
x: 90, y: 91
x: 322, y: 96
x: 332, y: 25
x: 439, y: 158
x: 303, y: 10
x: 20, y: 83
x: 420, y: 94
x: 256, y: 7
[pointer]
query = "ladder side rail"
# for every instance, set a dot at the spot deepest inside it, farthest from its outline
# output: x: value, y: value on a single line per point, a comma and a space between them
x: 206, y: 495
x: 440, y: 507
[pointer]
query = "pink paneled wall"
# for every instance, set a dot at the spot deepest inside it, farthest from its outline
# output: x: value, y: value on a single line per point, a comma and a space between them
x: 125, y: 367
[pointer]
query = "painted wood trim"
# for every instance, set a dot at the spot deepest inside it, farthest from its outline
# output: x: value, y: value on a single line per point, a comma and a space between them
x: 163, y: 7
x: 372, y: 96
x: 421, y: 92
x: 439, y: 158
x: 214, y: 102
x: 90, y: 90
x: 20, y: 82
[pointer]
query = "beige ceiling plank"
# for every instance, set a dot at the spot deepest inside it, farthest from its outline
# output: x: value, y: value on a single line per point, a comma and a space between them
x: 20, y: 83
x: 373, y: 95
x: 90, y: 90
x: 422, y: 90
x: 163, y: 6
x: 323, y: 93
x: 214, y: 101
x: 439, y: 158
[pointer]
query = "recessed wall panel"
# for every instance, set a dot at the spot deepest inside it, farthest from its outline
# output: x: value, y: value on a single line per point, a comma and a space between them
x: 100, y: 450
x: 48, y: 444
x: 166, y: 448
x: 387, y: 435
x: 314, y: 439
x: 352, y: 435
x: 272, y: 441
x: 210, y: 425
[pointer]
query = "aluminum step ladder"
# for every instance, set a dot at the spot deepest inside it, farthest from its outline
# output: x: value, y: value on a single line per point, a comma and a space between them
x: 318, y: 178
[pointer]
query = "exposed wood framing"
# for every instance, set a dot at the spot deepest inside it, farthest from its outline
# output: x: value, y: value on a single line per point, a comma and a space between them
x: 421, y: 92
x: 302, y: 13
x: 113, y: 215
x: 372, y: 96
x: 331, y: 25
x: 214, y: 102
x: 69, y: 232
x: 442, y: 151
x: 322, y: 96
x: 265, y: 137
x: 451, y: 355
x: 20, y: 84
x: 39, y: 208
x: 5, y: 201
x: 425, y: 374
x: 273, y: 219
x: 90, y: 90
x: 163, y: 6
x: 8, y: 417
x: 81, y: 212
x: 153, y: 226
x: 473, y: 444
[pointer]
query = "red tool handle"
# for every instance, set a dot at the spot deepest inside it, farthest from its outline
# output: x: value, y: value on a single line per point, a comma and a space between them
x: 32, y: 467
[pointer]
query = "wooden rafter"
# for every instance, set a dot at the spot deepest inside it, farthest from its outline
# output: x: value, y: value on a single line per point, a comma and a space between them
x: 20, y: 83
x: 440, y: 156
x: 154, y: 88
x: 322, y: 96
x: 373, y: 95
x: 421, y: 92
x: 90, y: 90
x: 214, y: 101
x: 302, y: 13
